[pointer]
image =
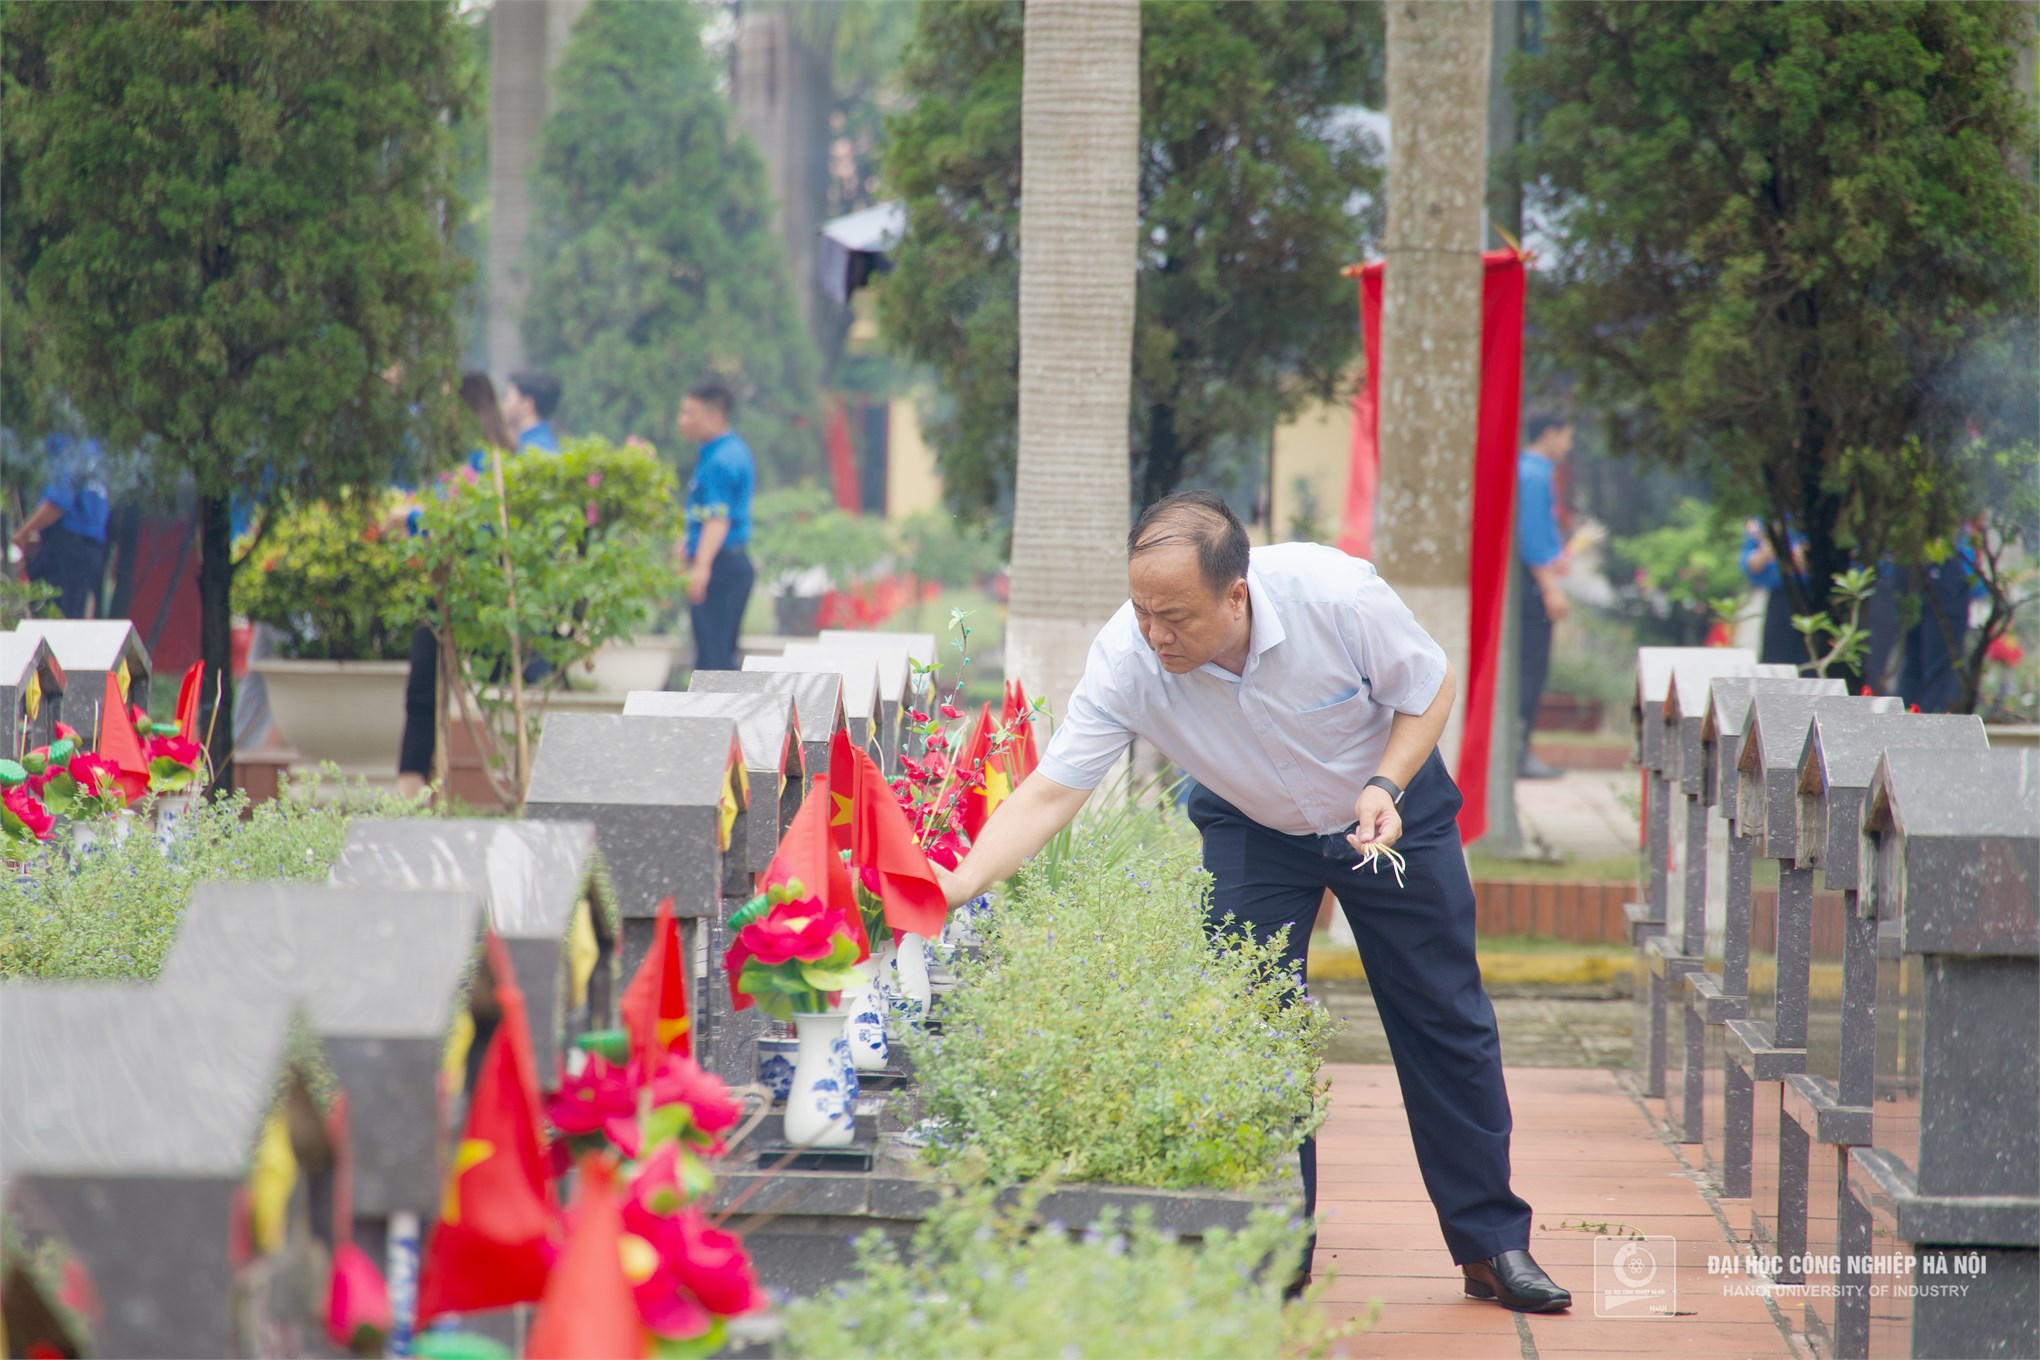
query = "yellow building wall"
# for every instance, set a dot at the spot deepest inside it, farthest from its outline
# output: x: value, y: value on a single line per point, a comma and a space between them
x: 911, y: 482
x: 1309, y: 469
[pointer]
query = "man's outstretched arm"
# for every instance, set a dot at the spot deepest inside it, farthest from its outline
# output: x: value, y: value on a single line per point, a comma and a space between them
x: 1038, y: 809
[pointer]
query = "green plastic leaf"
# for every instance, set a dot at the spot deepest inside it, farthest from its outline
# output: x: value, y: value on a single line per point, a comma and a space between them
x: 828, y: 979
x: 11, y: 774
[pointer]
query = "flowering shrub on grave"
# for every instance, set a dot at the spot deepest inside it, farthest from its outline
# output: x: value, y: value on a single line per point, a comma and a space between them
x: 1105, y: 1037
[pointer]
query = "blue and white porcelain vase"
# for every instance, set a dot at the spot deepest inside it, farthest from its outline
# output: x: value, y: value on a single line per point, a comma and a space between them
x: 866, y: 1029
x: 962, y: 928
x: 775, y: 1065
x: 818, y: 1112
x: 911, y: 991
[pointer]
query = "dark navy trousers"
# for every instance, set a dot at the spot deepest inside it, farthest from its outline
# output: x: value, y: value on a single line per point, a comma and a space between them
x: 1416, y: 942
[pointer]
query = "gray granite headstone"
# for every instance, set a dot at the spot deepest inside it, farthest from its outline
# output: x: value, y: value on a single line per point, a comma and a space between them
x: 129, y: 1115
x: 1719, y: 992
x: 906, y: 651
x: 1828, y: 1106
x: 1953, y: 857
x: 861, y: 715
x: 1680, y: 951
x: 773, y: 755
x: 656, y: 790
x: 382, y: 977
x: 32, y: 687
x: 1770, y: 1044
x: 88, y: 649
x: 817, y: 705
x: 534, y: 877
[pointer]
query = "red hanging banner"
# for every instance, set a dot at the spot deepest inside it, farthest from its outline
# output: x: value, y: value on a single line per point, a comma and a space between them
x: 1494, y: 499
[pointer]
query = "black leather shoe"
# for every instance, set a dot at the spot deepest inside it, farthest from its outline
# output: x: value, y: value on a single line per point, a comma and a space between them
x: 1516, y: 1282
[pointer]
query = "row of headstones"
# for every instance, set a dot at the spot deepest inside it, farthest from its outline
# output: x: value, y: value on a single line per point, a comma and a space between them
x: 129, y: 1114
x: 56, y: 669
x: 1862, y: 1063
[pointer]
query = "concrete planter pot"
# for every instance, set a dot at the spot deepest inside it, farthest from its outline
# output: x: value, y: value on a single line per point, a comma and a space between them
x: 639, y: 663
x: 348, y: 712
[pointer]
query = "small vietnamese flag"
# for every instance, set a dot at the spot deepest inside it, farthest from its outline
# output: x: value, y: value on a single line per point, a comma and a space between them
x: 882, y: 840
x: 493, y: 1243
x: 1022, y: 755
x: 119, y: 743
x: 187, y: 701
x: 654, y: 1006
x: 589, y: 1311
x: 973, y: 806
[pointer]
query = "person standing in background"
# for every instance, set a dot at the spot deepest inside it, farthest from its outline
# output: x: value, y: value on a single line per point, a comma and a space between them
x: 421, y: 689
x: 1540, y: 548
x: 64, y: 538
x: 719, y: 572
x: 528, y: 411
x: 1783, y: 644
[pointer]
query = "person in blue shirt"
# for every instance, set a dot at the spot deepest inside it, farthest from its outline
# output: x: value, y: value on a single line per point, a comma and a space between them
x: 1782, y: 644
x: 719, y: 572
x: 528, y: 408
x: 1540, y: 548
x: 64, y: 538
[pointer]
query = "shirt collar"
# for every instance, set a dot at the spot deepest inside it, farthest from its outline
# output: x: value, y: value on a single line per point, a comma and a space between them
x: 1264, y: 624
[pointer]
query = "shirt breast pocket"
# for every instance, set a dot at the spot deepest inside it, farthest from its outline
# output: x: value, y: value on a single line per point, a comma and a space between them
x: 1342, y: 723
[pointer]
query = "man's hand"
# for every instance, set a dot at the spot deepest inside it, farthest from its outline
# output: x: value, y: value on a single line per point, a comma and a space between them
x: 697, y: 583
x: 953, y: 890
x: 28, y: 540
x: 1380, y: 824
x: 1556, y: 603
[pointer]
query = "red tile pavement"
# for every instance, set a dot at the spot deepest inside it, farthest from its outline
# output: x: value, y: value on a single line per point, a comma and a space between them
x: 1591, y: 1164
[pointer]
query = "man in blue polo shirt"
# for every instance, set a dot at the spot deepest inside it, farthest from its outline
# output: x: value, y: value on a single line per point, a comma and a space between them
x: 1547, y: 441
x: 528, y: 408
x: 719, y: 572
x: 64, y: 538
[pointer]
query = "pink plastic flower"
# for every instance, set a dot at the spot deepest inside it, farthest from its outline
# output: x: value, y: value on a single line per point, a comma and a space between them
x: 24, y: 810
x: 684, y: 1274
x: 710, y: 1106
x: 602, y: 1099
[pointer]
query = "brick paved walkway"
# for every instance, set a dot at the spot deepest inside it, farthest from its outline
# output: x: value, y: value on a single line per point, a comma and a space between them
x: 1585, y: 1156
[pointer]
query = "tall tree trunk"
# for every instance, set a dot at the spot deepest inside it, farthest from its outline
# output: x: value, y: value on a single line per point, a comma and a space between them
x: 526, y: 40
x: 1080, y: 132
x: 1430, y: 315
x: 216, y: 633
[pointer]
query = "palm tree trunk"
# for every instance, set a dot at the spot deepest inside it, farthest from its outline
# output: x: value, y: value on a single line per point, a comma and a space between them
x: 1430, y: 315
x: 1079, y: 214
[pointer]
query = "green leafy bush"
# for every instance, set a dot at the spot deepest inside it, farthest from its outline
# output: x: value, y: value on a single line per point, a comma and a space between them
x: 799, y: 528
x: 325, y: 575
x: 113, y: 913
x: 1105, y: 1037
x: 938, y: 547
x: 994, y: 1282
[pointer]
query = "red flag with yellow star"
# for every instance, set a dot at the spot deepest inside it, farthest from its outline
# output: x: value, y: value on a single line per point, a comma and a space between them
x: 188, y: 695
x: 1021, y: 754
x: 974, y: 806
x: 807, y: 852
x: 494, y: 1241
x: 121, y: 744
x: 655, y: 1004
x: 881, y: 839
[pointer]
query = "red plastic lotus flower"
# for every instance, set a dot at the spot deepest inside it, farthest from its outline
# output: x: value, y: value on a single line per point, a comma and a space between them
x: 24, y: 814
x: 805, y: 931
x: 601, y: 1099
x: 94, y: 774
x: 186, y: 753
x: 66, y: 732
x: 684, y: 1274
x: 682, y: 1081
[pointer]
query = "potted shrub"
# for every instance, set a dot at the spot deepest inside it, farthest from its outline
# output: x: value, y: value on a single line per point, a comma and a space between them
x: 324, y: 576
x: 804, y: 546
x: 526, y: 571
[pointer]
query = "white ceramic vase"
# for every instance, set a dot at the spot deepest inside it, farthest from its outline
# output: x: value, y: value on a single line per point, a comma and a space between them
x: 911, y: 990
x: 818, y: 1109
x: 171, y: 809
x: 866, y: 1029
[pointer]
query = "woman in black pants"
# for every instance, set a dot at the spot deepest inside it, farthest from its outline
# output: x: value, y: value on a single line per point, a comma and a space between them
x: 421, y: 690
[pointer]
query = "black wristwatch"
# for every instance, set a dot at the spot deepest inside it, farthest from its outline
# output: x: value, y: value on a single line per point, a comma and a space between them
x: 1382, y: 781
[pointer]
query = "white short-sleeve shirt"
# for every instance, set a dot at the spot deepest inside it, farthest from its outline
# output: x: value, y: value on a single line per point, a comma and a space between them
x: 1333, y: 656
